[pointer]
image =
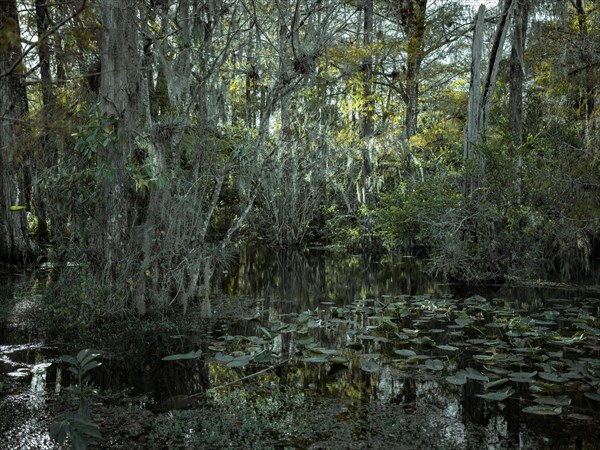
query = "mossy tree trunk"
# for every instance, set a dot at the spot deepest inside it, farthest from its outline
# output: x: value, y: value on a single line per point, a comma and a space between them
x: 15, y: 241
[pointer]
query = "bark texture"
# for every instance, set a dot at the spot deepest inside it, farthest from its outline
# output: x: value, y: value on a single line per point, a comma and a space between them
x: 15, y: 243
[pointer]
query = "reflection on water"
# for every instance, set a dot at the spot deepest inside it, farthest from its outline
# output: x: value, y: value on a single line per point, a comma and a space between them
x: 397, y: 397
x: 297, y: 280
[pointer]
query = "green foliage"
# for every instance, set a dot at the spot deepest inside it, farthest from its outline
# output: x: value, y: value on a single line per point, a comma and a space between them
x: 536, y: 210
x: 78, y: 427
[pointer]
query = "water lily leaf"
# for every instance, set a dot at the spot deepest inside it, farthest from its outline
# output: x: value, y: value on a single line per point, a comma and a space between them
x: 496, y: 325
x: 485, y: 358
x: 560, y: 400
x: 239, y: 361
x: 221, y: 357
x: 498, y: 396
x: 305, y: 342
x: 314, y: 323
x: 463, y: 321
x: 316, y: 359
x: 578, y: 416
x: 407, y: 353
x: 522, y: 374
x: 338, y: 360
x: 365, y: 337
x: 543, y: 410
x: 425, y: 340
x: 560, y: 340
x: 459, y: 378
x: 369, y: 365
x: 434, y: 364
x: 262, y: 357
x: 496, y: 370
x: 548, y: 376
x: 189, y: 355
x: 593, y: 396
x: 449, y: 348
x: 476, y: 375
x: 496, y: 383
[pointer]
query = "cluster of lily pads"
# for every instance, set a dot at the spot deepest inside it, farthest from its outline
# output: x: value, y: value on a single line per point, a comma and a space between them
x: 547, y: 356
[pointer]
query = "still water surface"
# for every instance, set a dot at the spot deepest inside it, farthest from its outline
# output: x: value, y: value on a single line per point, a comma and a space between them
x: 337, y: 301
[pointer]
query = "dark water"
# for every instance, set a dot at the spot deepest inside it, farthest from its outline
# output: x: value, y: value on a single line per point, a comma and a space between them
x: 274, y: 287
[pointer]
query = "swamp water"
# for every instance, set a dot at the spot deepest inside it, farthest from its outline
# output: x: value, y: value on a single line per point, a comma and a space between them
x: 322, y: 351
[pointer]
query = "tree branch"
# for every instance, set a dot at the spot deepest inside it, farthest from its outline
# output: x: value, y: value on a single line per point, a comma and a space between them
x: 43, y: 37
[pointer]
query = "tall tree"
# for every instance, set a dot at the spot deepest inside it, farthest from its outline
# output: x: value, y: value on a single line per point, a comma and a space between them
x: 412, y: 16
x: 15, y: 242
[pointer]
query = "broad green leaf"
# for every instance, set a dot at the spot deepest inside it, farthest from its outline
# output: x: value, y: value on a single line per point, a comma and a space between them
x: 593, y: 396
x: 498, y: 396
x: 463, y: 321
x: 239, y: 361
x: 369, y: 365
x: 552, y: 377
x: 223, y: 358
x: 496, y: 383
x: 316, y: 359
x: 458, y: 378
x: 266, y: 332
x: 424, y: 340
x: 190, y: 355
x: 543, y: 410
x: 560, y: 400
x: 475, y: 375
x: 338, y: 360
x: 70, y: 360
x: 450, y: 348
x: 408, y: 353
x: 434, y: 364
x: 262, y: 357
x: 522, y: 374
x: 496, y: 370
x: 486, y: 358
x: 16, y: 208
x: 91, y: 365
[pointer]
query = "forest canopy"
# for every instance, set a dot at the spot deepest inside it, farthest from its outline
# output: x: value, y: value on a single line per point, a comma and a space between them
x: 144, y: 140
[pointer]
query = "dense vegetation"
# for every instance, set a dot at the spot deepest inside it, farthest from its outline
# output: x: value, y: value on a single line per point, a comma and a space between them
x: 144, y: 140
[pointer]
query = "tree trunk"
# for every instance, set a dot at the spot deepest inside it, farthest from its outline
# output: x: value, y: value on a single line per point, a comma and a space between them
x: 47, y: 150
x: 472, y: 130
x: 15, y: 242
x: 480, y: 94
x: 123, y: 95
x: 368, y: 107
x: 494, y: 63
x: 412, y: 18
x: 517, y: 74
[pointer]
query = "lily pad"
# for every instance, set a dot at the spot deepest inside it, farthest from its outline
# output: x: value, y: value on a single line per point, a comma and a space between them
x: 548, y: 376
x: 407, y: 353
x: 434, y: 364
x: 593, y: 396
x: 496, y: 383
x: 543, y: 410
x: 189, y: 355
x: 369, y: 365
x: 459, y: 378
x: 498, y: 396
x: 449, y: 348
x: 476, y: 375
x: 463, y: 321
x: 559, y: 400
